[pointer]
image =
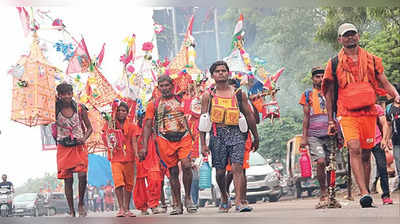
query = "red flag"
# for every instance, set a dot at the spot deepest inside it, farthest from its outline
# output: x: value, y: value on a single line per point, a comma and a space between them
x: 190, y: 27
x: 24, y: 17
x: 100, y: 56
x: 278, y: 74
x: 79, y: 62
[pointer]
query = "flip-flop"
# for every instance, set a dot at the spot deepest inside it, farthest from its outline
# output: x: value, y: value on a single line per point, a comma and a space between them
x: 129, y: 214
x: 245, y: 208
x: 190, y: 208
x: 164, y: 209
x: 321, y: 204
x: 176, y: 211
x: 82, y: 213
x: 120, y: 214
x: 223, y: 208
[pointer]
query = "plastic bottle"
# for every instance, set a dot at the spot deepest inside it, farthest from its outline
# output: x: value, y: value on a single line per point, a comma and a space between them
x: 305, y: 163
x: 205, y: 175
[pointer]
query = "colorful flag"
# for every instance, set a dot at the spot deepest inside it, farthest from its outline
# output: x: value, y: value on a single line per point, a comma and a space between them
x: 80, y: 61
x: 100, y: 56
x: 238, y: 31
x: 25, y: 19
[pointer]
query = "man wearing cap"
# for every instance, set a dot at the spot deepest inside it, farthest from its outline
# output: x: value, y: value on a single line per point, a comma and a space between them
x: 315, y: 129
x: 350, y: 84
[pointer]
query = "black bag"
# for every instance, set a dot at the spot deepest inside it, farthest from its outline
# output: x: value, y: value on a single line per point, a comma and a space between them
x: 174, y: 136
x: 68, y: 142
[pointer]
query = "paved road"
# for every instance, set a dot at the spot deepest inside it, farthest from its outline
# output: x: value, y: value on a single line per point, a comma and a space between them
x: 289, y: 211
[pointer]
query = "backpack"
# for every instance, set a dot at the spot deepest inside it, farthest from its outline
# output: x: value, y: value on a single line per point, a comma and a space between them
x: 307, y: 94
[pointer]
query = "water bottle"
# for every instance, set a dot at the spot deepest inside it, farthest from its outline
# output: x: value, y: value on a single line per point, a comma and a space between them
x: 205, y: 175
x: 305, y: 163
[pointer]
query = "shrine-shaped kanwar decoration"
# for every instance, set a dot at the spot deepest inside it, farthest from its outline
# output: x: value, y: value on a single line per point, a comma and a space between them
x: 254, y: 79
x: 95, y: 142
x: 33, y: 93
x: 183, y: 67
x: 98, y: 90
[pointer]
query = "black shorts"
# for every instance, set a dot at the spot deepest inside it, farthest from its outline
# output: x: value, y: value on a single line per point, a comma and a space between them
x: 228, y: 143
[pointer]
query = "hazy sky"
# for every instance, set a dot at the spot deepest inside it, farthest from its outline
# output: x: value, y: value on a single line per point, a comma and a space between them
x: 21, y: 156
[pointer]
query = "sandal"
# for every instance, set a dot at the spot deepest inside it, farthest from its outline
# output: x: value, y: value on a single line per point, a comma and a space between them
x: 176, y: 211
x: 120, y: 214
x: 244, y: 208
x: 129, y: 214
x: 224, y: 208
x: 82, y: 213
x: 321, y: 204
x: 155, y: 210
x: 164, y: 209
x: 190, y: 208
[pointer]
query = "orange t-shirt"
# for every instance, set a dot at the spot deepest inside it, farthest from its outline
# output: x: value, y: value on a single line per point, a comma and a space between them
x: 350, y: 71
x: 317, y: 103
x: 129, y: 131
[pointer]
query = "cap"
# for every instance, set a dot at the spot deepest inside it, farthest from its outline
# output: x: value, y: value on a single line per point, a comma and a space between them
x: 317, y: 70
x: 345, y: 27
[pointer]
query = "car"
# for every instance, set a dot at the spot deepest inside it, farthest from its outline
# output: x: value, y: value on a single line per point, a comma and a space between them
x: 262, y: 180
x: 29, y: 204
x: 300, y: 184
x: 56, y: 203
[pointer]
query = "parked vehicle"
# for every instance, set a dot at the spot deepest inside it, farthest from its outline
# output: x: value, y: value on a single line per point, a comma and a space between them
x: 5, y: 202
x: 56, y: 203
x: 262, y: 180
x: 29, y: 204
x: 300, y: 184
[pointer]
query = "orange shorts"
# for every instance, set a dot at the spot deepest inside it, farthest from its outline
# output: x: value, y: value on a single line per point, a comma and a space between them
x: 71, y: 160
x: 359, y: 128
x: 123, y: 174
x: 172, y: 152
x: 246, y: 157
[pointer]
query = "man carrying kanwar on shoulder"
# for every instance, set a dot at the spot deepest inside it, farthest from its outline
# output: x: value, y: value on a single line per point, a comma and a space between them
x: 228, y: 133
x: 315, y: 130
x: 173, y: 139
x: 123, y: 160
x: 73, y: 128
x: 350, y: 84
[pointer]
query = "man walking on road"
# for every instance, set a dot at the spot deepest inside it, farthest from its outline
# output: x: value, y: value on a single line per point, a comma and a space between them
x: 227, y: 142
x: 173, y: 139
x: 393, y: 117
x: 315, y: 130
x: 350, y: 84
x: 378, y: 151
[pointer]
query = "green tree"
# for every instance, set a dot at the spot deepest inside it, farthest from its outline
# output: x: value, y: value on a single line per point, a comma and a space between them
x: 274, y: 136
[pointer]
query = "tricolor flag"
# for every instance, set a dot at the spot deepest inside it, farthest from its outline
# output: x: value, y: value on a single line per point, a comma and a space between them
x: 238, y: 32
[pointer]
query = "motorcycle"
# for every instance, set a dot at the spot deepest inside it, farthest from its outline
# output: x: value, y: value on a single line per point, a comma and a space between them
x: 5, y: 202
